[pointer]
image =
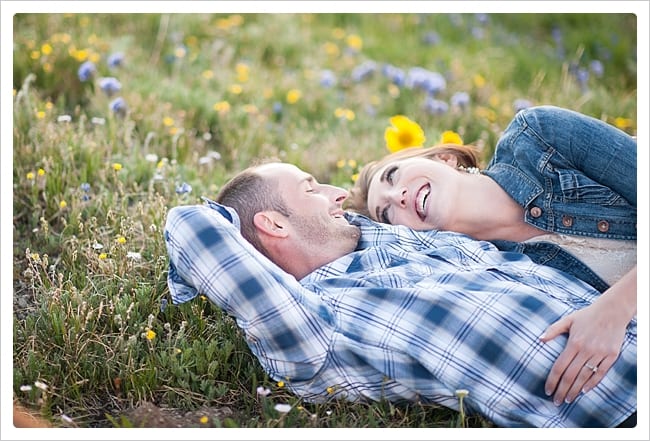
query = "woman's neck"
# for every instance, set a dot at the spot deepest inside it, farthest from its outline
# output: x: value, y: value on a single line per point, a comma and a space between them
x: 489, y: 213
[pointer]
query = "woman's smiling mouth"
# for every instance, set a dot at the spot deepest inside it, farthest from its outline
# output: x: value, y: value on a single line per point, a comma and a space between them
x: 421, y: 200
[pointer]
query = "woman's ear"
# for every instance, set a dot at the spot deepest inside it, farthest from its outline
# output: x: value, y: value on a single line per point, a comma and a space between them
x: 270, y: 223
x: 447, y: 158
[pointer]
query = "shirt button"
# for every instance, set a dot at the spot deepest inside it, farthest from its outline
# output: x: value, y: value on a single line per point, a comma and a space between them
x: 535, y: 212
x: 567, y: 220
x: 603, y: 226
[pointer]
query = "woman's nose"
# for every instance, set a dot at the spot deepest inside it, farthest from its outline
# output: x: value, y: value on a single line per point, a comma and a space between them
x: 398, y: 196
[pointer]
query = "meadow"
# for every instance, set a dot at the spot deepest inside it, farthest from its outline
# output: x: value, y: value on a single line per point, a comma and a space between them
x: 119, y: 117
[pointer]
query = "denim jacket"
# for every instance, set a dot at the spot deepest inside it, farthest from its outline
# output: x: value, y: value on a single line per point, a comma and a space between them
x: 572, y: 174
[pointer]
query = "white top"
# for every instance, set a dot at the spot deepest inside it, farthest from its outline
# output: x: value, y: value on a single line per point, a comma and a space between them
x: 611, y: 259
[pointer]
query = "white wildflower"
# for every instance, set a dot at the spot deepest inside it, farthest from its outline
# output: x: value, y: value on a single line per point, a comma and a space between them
x: 282, y: 408
x: 25, y: 388
x: 40, y: 385
x: 263, y: 391
x: 64, y: 118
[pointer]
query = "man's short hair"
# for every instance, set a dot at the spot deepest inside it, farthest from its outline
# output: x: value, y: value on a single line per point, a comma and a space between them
x: 249, y: 193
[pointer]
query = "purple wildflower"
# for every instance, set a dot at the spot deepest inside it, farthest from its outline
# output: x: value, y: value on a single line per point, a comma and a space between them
x: 521, y: 104
x: 327, y: 78
x: 431, y: 38
x: 394, y: 74
x: 435, y: 107
x: 115, y: 60
x: 364, y: 71
x: 118, y: 106
x: 596, y: 67
x: 430, y: 82
x: 183, y: 188
x: 460, y: 99
x: 86, y: 71
x: 110, y: 85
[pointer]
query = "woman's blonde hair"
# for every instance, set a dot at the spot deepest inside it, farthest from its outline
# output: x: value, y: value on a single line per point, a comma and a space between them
x: 357, y: 201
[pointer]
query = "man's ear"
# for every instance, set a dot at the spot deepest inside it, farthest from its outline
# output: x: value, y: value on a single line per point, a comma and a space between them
x: 448, y: 158
x: 271, y: 223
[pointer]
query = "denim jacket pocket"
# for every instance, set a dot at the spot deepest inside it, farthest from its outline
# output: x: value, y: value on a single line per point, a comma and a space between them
x: 576, y: 187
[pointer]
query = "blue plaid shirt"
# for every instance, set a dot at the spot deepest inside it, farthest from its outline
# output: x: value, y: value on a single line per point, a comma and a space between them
x: 408, y: 316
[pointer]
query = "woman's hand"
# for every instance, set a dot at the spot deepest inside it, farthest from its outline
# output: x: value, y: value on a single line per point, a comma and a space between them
x: 596, y: 334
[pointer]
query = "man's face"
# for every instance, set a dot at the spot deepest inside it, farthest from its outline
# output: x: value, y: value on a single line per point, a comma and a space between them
x: 316, y: 217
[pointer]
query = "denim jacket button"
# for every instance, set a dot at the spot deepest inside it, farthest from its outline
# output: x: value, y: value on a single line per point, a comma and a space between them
x: 535, y: 212
x: 567, y: 220
x: 603, y: 226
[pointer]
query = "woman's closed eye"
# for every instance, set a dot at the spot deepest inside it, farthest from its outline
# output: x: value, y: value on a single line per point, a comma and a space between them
x: 384, y: 216
x: 388, y: 174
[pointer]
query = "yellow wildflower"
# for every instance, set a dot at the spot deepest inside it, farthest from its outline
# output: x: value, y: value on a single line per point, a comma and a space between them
x: 340, y: 163
x: 41, y: 172
x: 40, y: 114
x: 63, y: 204
x: 121, y: 239
x: 102, y: 256
x: 479, y: 81
x: 451, y: 137
x: 352, y: 163
x: 236, y: 89
x: 204, y: 419
x: 280, y: 384
x: 403, y: 133
x: 623, y: 123
x: 34, y: 55
x: 242, y: 72
x: 330, y: 390
x: 30, y: 175
x: 293, y: 96
x: 222, y: 107
x: 167, y: 121
x: 207, y: 74
x: 150, y: 335
x: 355, y: 42
x: 117, y: 166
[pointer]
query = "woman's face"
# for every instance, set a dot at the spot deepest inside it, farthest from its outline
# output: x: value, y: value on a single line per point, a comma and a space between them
x: 416, y: 192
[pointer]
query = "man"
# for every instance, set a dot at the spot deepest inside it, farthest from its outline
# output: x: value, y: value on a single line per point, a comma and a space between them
x: 329, y: 300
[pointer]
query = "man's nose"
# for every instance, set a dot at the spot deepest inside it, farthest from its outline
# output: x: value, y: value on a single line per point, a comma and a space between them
x: 337, y: 194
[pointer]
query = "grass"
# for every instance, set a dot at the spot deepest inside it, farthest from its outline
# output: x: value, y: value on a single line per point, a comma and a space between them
x: 205, y: 96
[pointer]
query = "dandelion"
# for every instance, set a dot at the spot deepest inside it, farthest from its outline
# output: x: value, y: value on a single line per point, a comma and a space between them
x: 403, y: 133
x: 118, y: 106
x: 330, y: 390
x: 110, y: 85
x: 30, y: 176
x: 280, y: 384
x: 461, y: 394
x: 282, y: 408
x: 46, y: 49
x: 293, y: 96
x: 63, y: 204
x: 86, y: 71
x: 331, y: 49
x: 102, y: 256
x: 263, y: 391
x: 203, y: 420
x: 343, y: 113
x: 117, y: 166
x: 450, y: 137
x: 242, y: 72
x: 207, y: 74
x: 41, y: 172
x: 121, y: 240
x: 40, y: 114
x: 168, y: 122
x: 150, y: 335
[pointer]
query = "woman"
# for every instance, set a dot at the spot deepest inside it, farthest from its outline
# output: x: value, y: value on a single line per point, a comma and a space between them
x: 561, y: 188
